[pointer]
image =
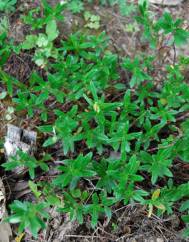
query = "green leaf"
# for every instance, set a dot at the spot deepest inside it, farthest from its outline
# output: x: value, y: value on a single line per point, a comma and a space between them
x: 7, y: 5
x: 29, y: 215
x: 51, y: 30
x: 3, y: 95
x: 34, y: 189
x: 30, y: 42
x: 184, y: 206
x: 181, y: 36
x: 185, y: 218
x: 50, y: 141
x: 42, y: 41
x: 46, y: 128
x: 76, y: 6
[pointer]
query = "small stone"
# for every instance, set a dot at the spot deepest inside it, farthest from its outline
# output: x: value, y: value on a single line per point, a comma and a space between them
x: 160, y: 240
x: 19, y: 139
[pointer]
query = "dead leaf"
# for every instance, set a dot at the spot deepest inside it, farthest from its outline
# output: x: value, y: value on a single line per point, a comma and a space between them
x: 19, y: 237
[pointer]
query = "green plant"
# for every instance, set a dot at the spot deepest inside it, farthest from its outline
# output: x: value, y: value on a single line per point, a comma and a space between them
x: 74, y: 170
x: 170, y: 30
x: 4, y: 25
x: 48, y: 15
x: 24, y: 160
x: 169, y: 25
x: 137, y: 67
x: 7, y: 5
x: 126, y: 8
x: 5, y: 48
x: 157, y: 165
x: 44, y: 44
x: 86, y: 108
x: 76, y: 6
x: 185, y: 207
x: 93, y: 21
x: 29, y: 215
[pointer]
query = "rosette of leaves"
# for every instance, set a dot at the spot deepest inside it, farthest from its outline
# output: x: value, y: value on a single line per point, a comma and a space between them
x: 43, y: 44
